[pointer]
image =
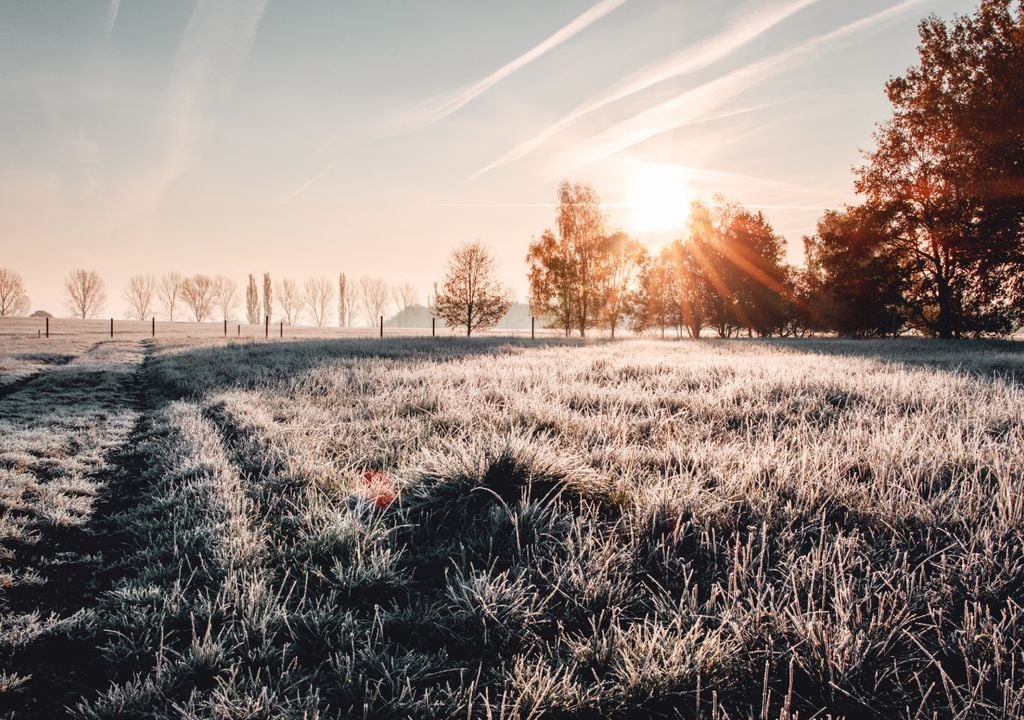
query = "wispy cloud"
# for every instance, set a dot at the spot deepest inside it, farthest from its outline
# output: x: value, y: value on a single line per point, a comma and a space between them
x: 212, y: 51
x: 697, y: 103
x: 115, y: 6
x: 445, y: 104
x: 753, y: 22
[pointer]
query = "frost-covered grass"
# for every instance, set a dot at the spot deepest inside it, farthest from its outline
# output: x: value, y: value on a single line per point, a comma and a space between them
x: 68, y: 407
x: 636, y: 529
x: 23, y: 357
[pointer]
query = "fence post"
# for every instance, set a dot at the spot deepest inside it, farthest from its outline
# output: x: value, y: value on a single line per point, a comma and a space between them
x: 47, y: 327
x: 282, y: 328
x: 433, y: 327
x: 239, y: 329
x: 532, y: 335
x: 382, y: 326
x: 225, y: 327
x: 266, y: 326
x: 152, y: 331
x: 111, y: 327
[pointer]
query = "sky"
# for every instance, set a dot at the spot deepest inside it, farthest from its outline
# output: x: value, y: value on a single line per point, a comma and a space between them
x: 312, y: 137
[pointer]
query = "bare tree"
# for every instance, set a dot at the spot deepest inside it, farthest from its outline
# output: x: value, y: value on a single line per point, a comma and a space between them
x: 225, y: 293
x: 404, y: 295
x: 290, y: 300
x: 169, y: 292
x: 471, y: 296
x: 351, y: 292
x: 373, y: 292
x: 139, y: 296
x: 86, y: 293
x: 319, y: 296
x: 252, y: 301
x: 13, y: 299
x: 199, y: 293
x: 268, y: 294
x: 342, y: 307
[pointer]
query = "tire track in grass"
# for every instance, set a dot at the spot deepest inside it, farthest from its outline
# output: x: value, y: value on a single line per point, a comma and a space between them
x: 67, y: 472
x: 196, y: 605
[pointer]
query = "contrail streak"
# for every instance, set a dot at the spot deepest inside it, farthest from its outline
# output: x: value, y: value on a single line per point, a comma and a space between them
x: 682, y: 62
x: 445, y: 104
x: 693, y: 104
x: 212, y: 51
x: 115, y: 5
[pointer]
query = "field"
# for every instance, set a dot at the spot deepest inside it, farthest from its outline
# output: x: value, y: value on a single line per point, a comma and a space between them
x: 500, y: 528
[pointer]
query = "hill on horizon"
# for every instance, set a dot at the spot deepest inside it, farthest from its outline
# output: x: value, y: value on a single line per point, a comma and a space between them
x: 419, y: 316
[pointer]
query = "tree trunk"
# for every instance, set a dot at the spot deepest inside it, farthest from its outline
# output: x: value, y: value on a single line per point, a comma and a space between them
x: 945, y: 301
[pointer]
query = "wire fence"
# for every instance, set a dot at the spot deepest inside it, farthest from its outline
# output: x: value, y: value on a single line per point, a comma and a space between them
x: 42, y: 327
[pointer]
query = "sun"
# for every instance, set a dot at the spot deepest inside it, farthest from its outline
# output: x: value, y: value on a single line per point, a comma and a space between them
x: 659, y: 197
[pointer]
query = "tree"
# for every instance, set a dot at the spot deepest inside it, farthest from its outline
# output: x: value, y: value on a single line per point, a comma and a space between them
x: 290, y: 300
x: 252, y: 301
x: 565, y: 272
x: 268, y: 293
x: 13, y: 298
x: 404, y: 295
x: 733, y: 270
x: 854, y: 281
x: 225, y: 293
x: 86, y: 293
x: 199, y: 294
x: 373, y: 293
x: 139, y: 295
x: 691, y: 285
x: 319, y: 293
x: 471, y: 296
x: 342, y: 300
x: 948, y: 172
x: 622, y: 258
x: 169, y: 292
x: 653, y: 301
x: 756, y: 254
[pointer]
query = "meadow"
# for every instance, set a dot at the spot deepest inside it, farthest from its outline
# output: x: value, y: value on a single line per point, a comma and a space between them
x: 501, y: 528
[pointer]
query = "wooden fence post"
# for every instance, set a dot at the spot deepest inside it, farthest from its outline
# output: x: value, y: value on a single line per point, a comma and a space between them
x: 382, y: 326
x: 282, y: 329
x: 239, y: 334
x: 47, y: 327
x: 266, y: 326
x: 533, y: 336
x: 225, y: 327
x: 152, y: 330
x: 111, y: 327
x: 433, y: 327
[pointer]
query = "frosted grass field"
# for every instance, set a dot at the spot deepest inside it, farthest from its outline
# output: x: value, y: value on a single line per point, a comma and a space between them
x: 505, y: 529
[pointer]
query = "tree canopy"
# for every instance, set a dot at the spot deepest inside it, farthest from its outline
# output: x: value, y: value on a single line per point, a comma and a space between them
x: 471, y: 296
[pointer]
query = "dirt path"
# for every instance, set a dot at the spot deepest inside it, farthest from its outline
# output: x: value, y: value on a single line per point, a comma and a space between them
x: 66, y: 465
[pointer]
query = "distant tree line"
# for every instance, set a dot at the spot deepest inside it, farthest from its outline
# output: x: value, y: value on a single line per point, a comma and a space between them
x: 202, y: 298
x: 935, y: 246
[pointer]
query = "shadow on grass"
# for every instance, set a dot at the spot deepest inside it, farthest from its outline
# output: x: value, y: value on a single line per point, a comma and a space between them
x: 1003, y: 359
x: 191, y: 372
x: 67, y: 468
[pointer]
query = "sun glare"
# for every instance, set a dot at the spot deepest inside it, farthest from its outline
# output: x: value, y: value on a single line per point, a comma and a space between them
x: 659, y: 197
